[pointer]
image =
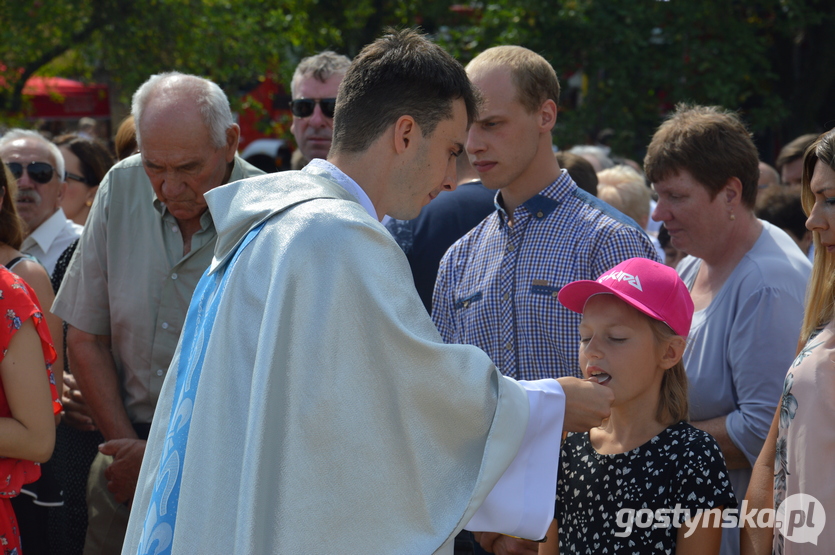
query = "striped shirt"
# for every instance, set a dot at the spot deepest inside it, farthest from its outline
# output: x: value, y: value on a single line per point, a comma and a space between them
x: 497, y: 286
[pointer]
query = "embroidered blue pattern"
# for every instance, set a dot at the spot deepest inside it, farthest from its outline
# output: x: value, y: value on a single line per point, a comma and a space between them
x: 158, y: 529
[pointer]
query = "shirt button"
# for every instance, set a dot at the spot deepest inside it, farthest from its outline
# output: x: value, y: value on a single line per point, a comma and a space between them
x: 539, y: 214
x: 160, y: 372
x: 174, y: 228
x: 555, y: 294
x: 174, y: 275
x: 508, y: 346
x: 165, y: 325
x: 511, y: 247
x: 505, y: 297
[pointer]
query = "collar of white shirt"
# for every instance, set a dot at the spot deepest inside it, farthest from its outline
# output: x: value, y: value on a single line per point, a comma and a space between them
x: 46, y: 233
x: 347, y: 183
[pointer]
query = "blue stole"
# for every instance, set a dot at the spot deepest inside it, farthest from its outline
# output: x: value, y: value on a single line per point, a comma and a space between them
x: 158, y: 529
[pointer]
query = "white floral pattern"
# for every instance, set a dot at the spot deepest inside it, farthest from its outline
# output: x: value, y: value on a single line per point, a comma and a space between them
x: 788, y: 410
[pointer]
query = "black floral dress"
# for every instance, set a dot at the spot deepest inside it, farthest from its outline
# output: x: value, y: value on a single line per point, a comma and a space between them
x: 680, y: 467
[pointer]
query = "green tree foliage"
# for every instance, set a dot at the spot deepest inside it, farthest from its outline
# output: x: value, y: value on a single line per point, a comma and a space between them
x: 234, y: 42
x: 35, y: 32
x: 622, y: 63
x: 633, y: 61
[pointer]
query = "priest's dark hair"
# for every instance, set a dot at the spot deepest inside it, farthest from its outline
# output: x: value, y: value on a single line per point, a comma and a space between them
x: 401, y: 73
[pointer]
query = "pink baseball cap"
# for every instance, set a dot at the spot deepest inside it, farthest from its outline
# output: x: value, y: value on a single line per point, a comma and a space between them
x: 653, y: 288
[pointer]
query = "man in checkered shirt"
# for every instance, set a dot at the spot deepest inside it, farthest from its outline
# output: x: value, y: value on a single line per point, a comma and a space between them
x: 497, y: 286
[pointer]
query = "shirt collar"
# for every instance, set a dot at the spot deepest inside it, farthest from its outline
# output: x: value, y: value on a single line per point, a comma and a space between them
x: 346, y: 183
x: 46, y: 233
x: 546, y: 201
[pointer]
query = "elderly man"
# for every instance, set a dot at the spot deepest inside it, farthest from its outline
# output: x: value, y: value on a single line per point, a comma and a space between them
x: 38, y: 166
x: 312, y: 406
x: 314, y: 86
x: 147, y: 241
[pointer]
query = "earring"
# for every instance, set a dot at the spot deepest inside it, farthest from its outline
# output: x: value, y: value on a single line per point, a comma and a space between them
x: 89, y: 203
x: 733, y: 217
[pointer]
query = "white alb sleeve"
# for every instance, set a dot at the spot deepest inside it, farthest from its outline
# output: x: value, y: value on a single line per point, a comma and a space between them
x: 522, y: 502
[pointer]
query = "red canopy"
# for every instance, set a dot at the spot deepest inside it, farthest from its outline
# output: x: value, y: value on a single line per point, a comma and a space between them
x: 59, y: 98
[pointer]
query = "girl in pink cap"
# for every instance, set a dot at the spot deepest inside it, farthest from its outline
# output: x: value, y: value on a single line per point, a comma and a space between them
x: 639, y: 482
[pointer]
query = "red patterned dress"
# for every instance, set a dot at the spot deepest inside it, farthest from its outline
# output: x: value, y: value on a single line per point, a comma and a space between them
x: 18, y: 303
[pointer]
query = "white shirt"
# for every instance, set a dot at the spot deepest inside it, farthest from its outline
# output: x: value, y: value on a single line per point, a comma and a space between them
x: 51, y: 239
x: 348, y: 184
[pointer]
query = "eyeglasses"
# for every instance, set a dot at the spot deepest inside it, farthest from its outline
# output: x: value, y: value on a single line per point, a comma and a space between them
x: 303, y: 107
x: 38, y: 171
x: 75, y: 177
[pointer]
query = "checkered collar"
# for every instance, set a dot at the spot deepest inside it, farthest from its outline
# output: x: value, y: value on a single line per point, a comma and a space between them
x: 541, y: 205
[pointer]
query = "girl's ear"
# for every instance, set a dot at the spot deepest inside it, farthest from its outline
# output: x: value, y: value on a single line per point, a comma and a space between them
x: 673, y: 352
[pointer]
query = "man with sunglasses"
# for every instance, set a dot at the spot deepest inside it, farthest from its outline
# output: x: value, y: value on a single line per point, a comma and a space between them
x: 147, y: 241
x: 38, y: 166
x: 314, y: 86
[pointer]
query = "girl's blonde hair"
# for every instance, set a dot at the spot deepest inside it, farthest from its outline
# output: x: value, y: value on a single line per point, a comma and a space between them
x: 673, y: 405
x: 820, y: 295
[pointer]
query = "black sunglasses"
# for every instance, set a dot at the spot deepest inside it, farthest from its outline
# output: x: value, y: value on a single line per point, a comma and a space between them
x: 303, y: 107
x: 38, y: 171
x: 76, y: 177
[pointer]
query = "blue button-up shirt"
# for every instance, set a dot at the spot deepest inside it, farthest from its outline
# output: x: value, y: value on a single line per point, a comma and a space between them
x: 497, y: 286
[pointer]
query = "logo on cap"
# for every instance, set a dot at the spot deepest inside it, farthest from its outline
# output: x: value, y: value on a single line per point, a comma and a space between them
x: 620, y: 275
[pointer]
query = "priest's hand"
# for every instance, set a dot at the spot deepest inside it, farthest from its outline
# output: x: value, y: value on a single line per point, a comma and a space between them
x: 505, y: 545
x: 587, y: 404
x: 123, y: 474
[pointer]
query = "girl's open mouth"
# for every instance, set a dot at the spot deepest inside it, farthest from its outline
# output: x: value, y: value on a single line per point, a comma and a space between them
x: 600, y: 377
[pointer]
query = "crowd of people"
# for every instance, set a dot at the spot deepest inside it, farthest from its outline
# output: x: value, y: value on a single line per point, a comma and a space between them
x: 418, y: 340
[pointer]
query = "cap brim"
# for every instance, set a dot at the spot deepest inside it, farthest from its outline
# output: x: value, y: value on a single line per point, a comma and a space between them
x: 575, y: 294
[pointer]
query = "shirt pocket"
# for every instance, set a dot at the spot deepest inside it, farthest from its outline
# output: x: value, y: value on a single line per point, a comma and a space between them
x: 543, y: 290
x: 466, y: 302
